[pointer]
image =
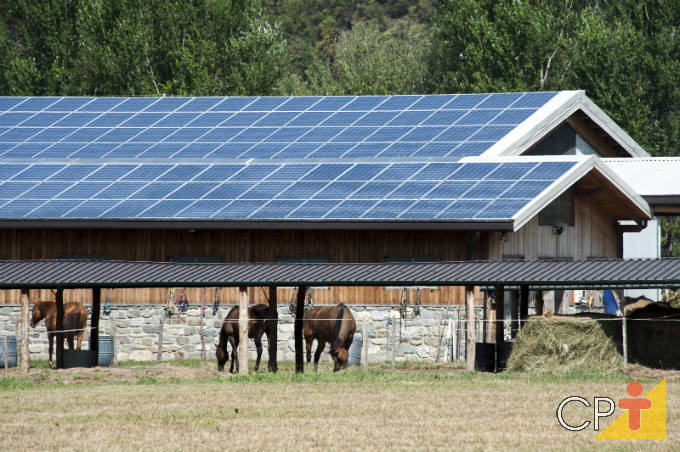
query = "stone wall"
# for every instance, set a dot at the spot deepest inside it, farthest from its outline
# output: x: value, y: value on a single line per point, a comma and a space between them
x: 137, y: 327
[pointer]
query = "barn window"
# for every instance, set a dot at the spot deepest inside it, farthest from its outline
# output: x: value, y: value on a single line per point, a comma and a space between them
x: 560, y: 212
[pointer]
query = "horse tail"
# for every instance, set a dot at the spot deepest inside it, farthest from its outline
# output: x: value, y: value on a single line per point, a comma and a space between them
x: 336, y: 330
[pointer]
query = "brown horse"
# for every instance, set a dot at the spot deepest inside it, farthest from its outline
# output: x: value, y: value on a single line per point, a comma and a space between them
x: 332, y: 324
x: 75, y: 317
x: 257, y: 326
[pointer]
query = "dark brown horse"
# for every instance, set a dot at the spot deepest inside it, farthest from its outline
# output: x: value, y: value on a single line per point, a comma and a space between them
x: 257, y: 326
x: 332, y: 324
x: 75, y: 318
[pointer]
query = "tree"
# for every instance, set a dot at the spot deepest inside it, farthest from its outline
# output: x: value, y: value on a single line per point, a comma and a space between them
x: 89, y: 47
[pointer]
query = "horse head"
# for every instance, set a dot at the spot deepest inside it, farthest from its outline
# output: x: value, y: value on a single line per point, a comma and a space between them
x: 340, y: 357
x: 38, y: 313
x: 222, y: 357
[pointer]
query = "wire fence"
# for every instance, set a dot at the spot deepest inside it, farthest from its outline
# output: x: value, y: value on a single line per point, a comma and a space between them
x: 438, y: 334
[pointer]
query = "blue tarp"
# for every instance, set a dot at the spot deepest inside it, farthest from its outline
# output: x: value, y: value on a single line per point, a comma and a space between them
x: 610, y: 304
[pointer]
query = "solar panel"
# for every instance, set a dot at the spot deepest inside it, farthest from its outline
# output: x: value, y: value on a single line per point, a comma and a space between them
x: 314, y: 157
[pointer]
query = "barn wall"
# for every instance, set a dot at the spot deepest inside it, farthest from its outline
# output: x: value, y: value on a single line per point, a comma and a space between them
x: 594, y: 235
x: 245, y: 246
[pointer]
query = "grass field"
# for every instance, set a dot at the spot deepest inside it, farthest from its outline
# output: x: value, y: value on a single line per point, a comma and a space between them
x: 189, y: 406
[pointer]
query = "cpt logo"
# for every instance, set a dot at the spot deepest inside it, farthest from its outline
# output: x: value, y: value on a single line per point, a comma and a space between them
x: 644, y: 417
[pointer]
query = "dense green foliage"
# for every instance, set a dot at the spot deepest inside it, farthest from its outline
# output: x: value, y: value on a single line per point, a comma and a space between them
x: 137, y: 47
x: 624, y: 54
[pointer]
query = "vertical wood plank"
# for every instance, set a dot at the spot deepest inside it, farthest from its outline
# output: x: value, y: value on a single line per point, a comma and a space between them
x: 243, y: 331
x: 470, y: 321
x: 500, y: 315
x: 25, y: 320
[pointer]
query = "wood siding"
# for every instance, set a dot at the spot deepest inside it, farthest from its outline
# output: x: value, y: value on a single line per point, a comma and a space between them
x: 593, y: 236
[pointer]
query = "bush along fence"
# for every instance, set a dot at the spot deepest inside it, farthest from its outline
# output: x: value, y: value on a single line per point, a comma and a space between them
x: 435, y: 333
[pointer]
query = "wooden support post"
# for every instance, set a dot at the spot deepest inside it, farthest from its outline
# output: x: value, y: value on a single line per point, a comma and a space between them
x: 364, y: 342
x: 25, y: 320
x: 500, y: 316
x: 470, y: 320
x: 94, y: 324
x: 539, y: 302
x: 159, y: 354
x: 273, y: 329
x: 523, y: 304
x: 243, y: 331
x: 114, y: 333
x: 514, y: 313
x: 299, y: 317
x: 60, y: 328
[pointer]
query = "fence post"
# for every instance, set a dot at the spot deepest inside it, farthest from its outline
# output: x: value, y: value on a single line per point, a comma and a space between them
x: 470, y: 320
x: 394, y: 342
x: 114, y: 333
x: 364, y: 338
x: 159, y: 355
x: 500, y: 322
x: 6, y: 353
x: 25, y: 319
x: 203, y: 354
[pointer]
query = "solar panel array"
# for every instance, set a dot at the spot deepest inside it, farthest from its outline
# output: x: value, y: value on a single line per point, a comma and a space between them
x: 266, y: 158
x: 260, y: 127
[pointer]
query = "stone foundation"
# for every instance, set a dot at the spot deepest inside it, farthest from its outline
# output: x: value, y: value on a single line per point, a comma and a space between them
x: 137, y: 327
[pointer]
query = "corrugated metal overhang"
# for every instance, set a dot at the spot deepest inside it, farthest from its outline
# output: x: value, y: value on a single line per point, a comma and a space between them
x: 542, y: 274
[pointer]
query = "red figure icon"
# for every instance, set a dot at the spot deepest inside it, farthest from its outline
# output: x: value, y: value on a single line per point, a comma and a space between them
x: 634, y: 406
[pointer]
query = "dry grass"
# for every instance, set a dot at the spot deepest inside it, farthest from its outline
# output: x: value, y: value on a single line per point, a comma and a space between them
x: 421, y: 407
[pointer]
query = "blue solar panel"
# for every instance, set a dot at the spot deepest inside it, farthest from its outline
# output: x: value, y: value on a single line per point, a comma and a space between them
x: 239, y: 209
x: 119, y: 190
x: 166, y: 208
x: 313, y: 209
x: 277, y: 209
x: 170, y: 157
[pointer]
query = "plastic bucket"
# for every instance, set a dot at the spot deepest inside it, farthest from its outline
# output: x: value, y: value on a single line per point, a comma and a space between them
x: 105, y: 351
x: 485, y: 357
x: 77, y: 358
x: 355, y: 351
x: 11, y: 351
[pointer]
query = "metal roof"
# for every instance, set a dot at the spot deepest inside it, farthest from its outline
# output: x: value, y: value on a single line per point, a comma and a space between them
x: 654, y: 178
x: 540, y: 274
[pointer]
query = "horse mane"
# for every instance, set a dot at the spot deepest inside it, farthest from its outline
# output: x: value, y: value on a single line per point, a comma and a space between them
x: 338, y: 325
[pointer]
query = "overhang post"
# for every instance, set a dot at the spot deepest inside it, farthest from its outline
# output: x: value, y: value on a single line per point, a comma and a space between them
x: 60, y: 327
x: 539, y: 302
x: 25, y: 320
x: 470, y: 320
x: 514, y: 313
x: 523, y: 304
x: 94, y: 324
x: 243, y: 331
x: 500, y: 315
x: 299, y: 316
x: 272, y: 330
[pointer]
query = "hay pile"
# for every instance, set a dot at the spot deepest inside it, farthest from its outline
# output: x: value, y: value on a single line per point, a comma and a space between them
x: 559, y: 345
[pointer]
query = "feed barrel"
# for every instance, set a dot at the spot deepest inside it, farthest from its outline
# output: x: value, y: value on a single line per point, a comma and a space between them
x: 355, y: 351
x: 105, y: 351
x: 11, y: 351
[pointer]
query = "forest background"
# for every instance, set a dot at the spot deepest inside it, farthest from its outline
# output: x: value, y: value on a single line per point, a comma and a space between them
x: 625, y: 54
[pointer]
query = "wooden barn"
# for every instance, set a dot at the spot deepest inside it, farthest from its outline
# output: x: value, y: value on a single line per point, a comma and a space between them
x: 312, y: 179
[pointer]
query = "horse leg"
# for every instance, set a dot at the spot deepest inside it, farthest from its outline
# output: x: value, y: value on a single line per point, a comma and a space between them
x: 308, y: 345
x: 80, y: 339
x: 317, y: 354
x: 258, y: 347
x: 50, y: 338
x: 69, y: 341
x: 234, y: 354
